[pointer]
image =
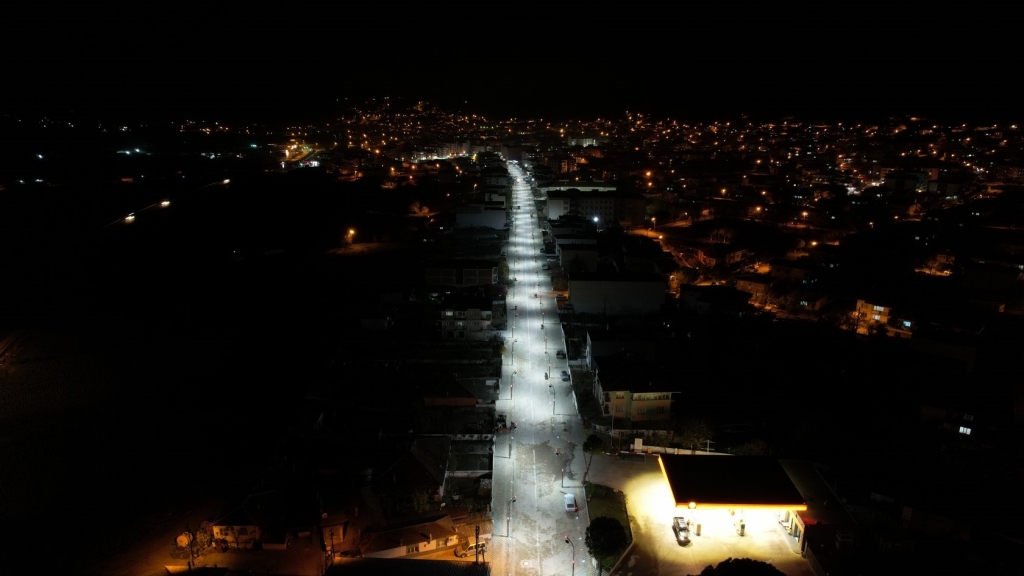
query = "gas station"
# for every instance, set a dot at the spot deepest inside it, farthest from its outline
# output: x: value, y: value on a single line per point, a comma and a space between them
x: 777, y: 511
x: 733, y: 495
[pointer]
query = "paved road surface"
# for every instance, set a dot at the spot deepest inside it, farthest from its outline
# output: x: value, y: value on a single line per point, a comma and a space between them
x: 549, y: 436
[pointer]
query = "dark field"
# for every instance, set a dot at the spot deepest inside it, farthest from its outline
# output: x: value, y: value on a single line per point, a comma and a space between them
x: 104, y: 430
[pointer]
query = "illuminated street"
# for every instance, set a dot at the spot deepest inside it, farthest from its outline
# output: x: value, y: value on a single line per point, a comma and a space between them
x: 548, y: 437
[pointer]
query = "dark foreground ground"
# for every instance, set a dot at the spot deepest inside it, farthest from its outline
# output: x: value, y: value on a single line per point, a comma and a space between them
x: 107, y: 431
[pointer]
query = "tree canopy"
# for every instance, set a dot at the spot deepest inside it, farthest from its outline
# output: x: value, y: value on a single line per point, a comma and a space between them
x: 695, y: 433
x: 742, y: 567
x: 605, y: 536
x: 593, y: 444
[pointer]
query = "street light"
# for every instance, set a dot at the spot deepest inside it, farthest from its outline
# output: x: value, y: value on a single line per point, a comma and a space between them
x: 570, y: 543
x: 508, y: 518
x: 191, y: 552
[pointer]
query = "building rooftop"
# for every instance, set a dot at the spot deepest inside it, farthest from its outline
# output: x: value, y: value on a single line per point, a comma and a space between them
x: 378, y: 566
x: 730, y: 482
x: 625, y: 277
x: 823, y: 506
x: 461, y: 264
x: 415, y: 532
x: 632, y: 372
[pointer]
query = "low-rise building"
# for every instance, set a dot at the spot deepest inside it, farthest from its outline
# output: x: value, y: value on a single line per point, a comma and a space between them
x: 410, y: 538
x: 636, y: 339
x: 720, y: 300
x: 462, y: 273
x: 466, y: 318
x: 617, y: 294
x: 482, y: 216
x: 872, y: 317
x: 603, y: 208
x: 630, y: 389
x: 578, y: 257
x: 720, y: 254
x: 794, y: 271
x: 757, y: 285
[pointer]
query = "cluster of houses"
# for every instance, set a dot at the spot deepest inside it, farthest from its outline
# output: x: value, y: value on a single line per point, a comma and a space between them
x: 403, y: 467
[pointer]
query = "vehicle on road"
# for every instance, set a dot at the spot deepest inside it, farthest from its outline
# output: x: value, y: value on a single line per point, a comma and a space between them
x: 681, y: 527
x: 565, y: 376
x: 570, y: 503
x: 469, y: 549
x: 560, y: 354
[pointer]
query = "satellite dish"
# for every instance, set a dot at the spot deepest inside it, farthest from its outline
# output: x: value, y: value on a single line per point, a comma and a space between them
x: 183, y: 539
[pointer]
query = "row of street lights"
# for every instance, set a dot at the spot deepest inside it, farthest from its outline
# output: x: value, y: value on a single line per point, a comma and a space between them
x: 508, y: 513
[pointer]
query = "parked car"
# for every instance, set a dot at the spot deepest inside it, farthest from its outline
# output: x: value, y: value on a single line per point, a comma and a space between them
x: 681, y: 527
x: 466, y: 549
x: 570, y: 503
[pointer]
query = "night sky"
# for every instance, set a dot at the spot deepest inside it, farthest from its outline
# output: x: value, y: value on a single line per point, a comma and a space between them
x: 506, y: 61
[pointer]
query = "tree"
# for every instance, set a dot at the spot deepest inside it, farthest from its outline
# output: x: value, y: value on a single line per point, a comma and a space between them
x: 417, y: 209
x: 592, y: 445
x: 752, y: 448
x: 204, y: 536
x: 559, y: 282
x: 742, y: 567
x: 605, y: 536
x: 420, y: 501
x: 696, y: 433
x: 688, y: 275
